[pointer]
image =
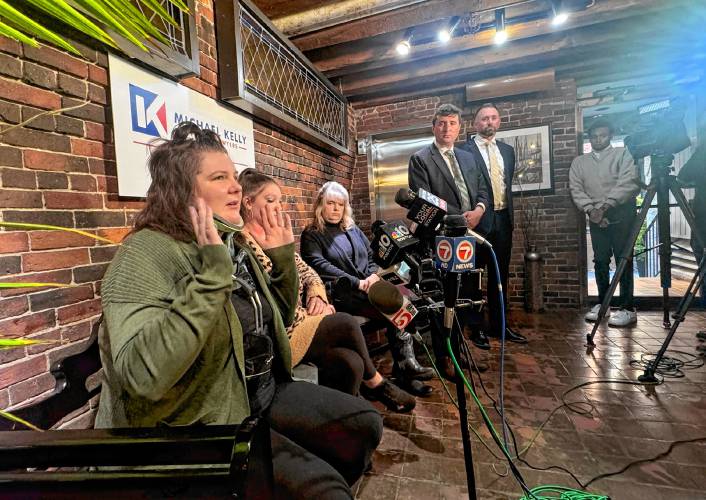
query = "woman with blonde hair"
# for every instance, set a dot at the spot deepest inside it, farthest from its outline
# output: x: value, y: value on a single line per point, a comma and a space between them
x: 336, y: 248
x: 330, y: 340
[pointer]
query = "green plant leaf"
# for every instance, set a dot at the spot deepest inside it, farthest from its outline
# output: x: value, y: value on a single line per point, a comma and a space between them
x: 99, y: 11
x: 30, y: 226
x: 10, y: 343
x: 158, y: 9
x: 11, y: 32
x: 33, y: 285
x: 10, y: 416
x: 63, y: 11
x: 134, y: 19
x: 120, y: 16
x: 32, y: 27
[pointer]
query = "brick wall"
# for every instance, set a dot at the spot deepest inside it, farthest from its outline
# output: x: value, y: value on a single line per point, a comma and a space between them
x: 559, y: 237
x: 60, y: 169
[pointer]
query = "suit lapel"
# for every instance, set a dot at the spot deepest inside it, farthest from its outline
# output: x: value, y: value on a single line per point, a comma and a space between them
x: 479, y: 161
x: 445, y: 172
x: 506, y: 157
x: 507, y: 164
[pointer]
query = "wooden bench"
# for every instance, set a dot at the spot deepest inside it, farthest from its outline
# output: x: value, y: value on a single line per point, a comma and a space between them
x: 164, y: 462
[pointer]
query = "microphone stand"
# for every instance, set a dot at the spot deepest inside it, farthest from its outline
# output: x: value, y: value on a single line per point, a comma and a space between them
x: 451, y: 284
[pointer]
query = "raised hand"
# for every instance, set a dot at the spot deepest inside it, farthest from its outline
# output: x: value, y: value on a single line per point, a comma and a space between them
x: 277, y: 228
x: 202, y: 222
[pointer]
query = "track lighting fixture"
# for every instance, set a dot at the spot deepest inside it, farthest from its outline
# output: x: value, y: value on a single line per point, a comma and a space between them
x: 560, y: 14
x: 403, y: 47
x: 445, y: 34
x: 500, y: 32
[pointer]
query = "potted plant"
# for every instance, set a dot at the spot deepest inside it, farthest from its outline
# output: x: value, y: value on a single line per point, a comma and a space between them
x: 529, y: 222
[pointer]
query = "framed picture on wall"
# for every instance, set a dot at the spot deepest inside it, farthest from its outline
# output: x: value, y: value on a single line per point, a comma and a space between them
x: 533, y: 158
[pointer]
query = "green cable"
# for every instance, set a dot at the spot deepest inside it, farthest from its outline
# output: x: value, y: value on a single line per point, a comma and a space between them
x: 562, y: 493
x: 535, y: 493
x: 453, y: 401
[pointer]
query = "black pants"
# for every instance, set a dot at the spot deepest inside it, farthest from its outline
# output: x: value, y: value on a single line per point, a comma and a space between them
x: 610, y: 242
x: 322, y: 441
x: 501, y: 239
x: 338, y: 349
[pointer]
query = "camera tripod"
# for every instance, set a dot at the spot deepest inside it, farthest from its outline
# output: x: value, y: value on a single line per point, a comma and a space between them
x: 661, y: 185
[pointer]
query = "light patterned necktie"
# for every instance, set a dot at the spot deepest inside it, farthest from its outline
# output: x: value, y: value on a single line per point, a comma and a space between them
x: 459, y: 180
x: 496, y: 179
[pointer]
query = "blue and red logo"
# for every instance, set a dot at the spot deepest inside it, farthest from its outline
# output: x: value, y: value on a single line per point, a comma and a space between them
x: 148, y: 111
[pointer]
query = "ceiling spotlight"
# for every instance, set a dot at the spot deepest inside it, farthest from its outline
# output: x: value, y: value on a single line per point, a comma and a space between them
x: 444, y: 35
x: 560, y: 15
x: 403, y: 47
x: 500, y: 33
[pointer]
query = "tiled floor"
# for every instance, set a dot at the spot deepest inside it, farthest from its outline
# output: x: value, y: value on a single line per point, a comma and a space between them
x: 645, y: 287
x: 421, y: 454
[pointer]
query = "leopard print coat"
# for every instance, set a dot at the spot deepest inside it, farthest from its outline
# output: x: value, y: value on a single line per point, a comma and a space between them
x: 302, y: 330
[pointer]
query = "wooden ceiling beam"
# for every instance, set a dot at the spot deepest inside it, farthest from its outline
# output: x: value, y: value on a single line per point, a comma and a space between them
x: 483, y: 59
x: 395, y: 20
x: 636, y: 35
x: 319, y: 17
x: 588, y: 69
x: 380, y: 51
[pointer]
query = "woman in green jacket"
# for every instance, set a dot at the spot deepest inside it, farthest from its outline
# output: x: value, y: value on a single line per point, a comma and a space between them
x: 194, y: 332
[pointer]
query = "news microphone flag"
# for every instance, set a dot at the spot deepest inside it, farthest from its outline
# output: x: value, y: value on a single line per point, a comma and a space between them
x: 455, y: 254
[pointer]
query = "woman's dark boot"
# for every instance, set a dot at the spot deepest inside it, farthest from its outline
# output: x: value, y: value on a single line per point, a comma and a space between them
x: 390, y: 395
x: 406, y: 370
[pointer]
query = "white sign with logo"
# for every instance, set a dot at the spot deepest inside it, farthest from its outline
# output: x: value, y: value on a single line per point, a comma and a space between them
x: 145, y: 109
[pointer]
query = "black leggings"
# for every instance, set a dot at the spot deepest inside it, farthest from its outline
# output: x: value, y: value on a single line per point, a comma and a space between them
x: 339, y: 351
x: 322, y: 441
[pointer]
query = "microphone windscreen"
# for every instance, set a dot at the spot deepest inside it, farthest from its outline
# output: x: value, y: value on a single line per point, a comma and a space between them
x: 385, y: 297
x: 377, y: 225
x: 454, y: 221
x: 404, y: 197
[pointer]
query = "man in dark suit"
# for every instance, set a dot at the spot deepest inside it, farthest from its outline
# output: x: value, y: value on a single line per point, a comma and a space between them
x: 497, y: 164
x: 452, y: 175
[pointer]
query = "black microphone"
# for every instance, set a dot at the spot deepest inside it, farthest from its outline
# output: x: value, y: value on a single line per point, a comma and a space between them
x: 456, y: 223
x: 390, y: 242
x: 425, y: 210
x: 388, y: 300
x: 376, y: 225
x: 404, y: 197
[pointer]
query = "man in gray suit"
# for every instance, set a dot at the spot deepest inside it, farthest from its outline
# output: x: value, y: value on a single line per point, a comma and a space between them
x: 452, y: 175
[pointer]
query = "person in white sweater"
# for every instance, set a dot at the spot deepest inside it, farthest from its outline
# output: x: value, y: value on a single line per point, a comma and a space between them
x: 603, y: 185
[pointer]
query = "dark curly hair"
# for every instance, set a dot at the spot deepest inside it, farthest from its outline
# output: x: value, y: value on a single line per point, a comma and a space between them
x: 173, y: 166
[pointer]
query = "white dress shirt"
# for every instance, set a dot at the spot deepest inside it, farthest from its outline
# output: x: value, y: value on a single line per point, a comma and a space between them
x: 480, y: 142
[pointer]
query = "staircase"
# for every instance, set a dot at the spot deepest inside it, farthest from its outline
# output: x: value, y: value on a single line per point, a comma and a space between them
x: 683, y: 263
